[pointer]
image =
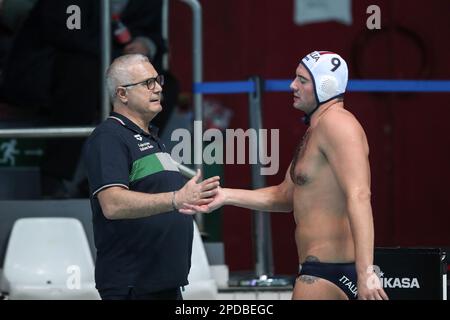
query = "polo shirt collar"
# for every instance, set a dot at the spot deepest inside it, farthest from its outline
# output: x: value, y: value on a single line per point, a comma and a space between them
x: 132, y: 126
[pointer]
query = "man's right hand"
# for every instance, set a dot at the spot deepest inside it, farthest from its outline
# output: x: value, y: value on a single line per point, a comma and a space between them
x: 194, y: 193
x: 370, y: 287
x: 211, y: 205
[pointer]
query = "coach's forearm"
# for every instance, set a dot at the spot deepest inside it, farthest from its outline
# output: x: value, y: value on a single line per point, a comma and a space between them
x: 125, y: 204
x: 264, y: 199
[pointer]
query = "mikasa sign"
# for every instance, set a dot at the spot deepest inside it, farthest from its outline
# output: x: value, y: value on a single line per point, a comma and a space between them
x: 378, y: 279
x: 411, y: 273
x: 403, y: 283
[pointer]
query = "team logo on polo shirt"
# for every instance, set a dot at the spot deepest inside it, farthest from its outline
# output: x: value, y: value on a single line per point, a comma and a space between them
x: 138, y: 137
x: 144, y: 146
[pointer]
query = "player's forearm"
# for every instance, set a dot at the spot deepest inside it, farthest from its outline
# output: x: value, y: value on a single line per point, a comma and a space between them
x: 264, y: 199
x: 125, y: 204
x: 361, y: 222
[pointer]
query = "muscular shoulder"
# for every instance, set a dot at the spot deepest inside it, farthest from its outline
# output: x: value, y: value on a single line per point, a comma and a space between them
x: 339, y: 126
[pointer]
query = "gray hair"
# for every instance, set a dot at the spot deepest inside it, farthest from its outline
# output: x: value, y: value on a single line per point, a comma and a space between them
x: 118, y: 72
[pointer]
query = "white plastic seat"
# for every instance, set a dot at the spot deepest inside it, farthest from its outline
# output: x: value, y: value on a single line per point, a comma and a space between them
x: 201, y: 286
x: 49, y: 258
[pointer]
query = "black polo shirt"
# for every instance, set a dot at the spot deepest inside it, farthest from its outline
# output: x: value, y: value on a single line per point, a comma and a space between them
x: 153, y: 253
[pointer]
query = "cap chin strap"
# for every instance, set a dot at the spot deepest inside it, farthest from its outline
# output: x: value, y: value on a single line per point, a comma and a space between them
x: 307, y: 118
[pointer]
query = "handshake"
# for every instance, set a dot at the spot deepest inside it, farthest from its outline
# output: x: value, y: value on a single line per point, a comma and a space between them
x: 202, y: 197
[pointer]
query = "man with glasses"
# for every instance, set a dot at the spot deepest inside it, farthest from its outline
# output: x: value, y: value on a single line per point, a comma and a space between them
x: 143, y: 242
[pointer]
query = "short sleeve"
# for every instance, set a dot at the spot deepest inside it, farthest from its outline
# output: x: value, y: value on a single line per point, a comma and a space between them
x: 107, y: 162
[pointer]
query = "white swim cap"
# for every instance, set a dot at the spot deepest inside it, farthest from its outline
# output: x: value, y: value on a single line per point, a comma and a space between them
x: 329, y: 72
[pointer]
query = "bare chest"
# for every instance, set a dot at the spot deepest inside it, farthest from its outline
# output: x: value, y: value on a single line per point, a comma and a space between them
x: 307, y: 160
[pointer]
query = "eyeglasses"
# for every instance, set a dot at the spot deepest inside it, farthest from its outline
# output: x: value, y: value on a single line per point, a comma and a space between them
x: 150, y: 82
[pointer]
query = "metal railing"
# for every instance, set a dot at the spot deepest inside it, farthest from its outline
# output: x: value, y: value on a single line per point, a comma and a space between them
x: 165, y: 32
x: 262, y: 234
x: 105, y: 28
x: 57, y: 132
x: 197, y: 75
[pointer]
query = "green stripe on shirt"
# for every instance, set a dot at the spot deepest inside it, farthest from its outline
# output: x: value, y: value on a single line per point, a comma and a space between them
x: 152, y: 164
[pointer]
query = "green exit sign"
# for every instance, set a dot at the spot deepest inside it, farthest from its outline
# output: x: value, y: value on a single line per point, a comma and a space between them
x: 21, y: 152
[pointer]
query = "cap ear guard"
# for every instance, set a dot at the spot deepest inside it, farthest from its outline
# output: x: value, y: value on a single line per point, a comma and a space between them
x: 327, y: 86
